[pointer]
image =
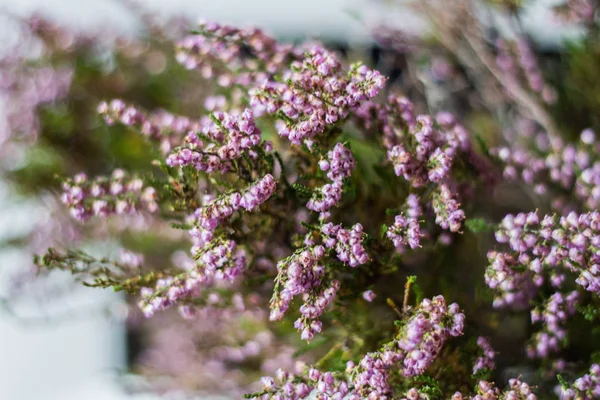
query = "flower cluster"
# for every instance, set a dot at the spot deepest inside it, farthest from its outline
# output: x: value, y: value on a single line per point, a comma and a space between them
x: 302, y: 274
x: 233, y: 56
x: 486, y: 359
x: 101, y: 197
x: 339, y: 165
x: 419, y: 343
x: 587, y: 387
x: 571, y: 167
x: 348, y: 244
x: 553, y: 315
x: 315, y: 94
x: 221, y: 260
x: 548, y: 249
x: 293, y: 387
x: 448, y: 213
x: 427, y: 157
x: 223, y: 140
x: 518, y: 390
x: 406, y: 230
x: 208, y: 217
x: 161, y: 127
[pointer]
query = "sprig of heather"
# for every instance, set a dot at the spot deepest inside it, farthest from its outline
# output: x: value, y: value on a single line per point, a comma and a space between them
x: 518, y: 390
x: 161, y: 127
x: 103, y: 196
x: 122, y: 275
x: 518, y: 64
x: 219, y: 260
x: 554, y: 250
x: 216, y: 210
x: 315, y: 94
x: 233, y: 56
x: 348, y: 244
x: 586, y: 387
x: 224, y: 140
x: 546, y: 250
x: 486, y: 360
x: 406, y: 230
x: 569, y: 168
x: 423, y: 151
x: 426, y: 158
x: 417, y: 346
x: 303, y: 273
x: 552, y: 316
x: 338, y: 165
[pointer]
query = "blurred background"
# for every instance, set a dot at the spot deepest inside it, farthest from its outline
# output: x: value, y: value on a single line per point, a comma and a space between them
x: 62, y: 342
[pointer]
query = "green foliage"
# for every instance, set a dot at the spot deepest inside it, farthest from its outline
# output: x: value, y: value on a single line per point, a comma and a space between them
x: 479, y: 225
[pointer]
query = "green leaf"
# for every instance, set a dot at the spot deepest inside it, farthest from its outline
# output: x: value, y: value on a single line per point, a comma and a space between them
x: 477, y: 225
x: 302, y: 190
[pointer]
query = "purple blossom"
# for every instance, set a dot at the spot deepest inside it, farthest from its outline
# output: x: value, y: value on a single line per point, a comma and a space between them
x: 106, y: 196
x: 553, y: 316
x: 224, y: 139
x: 220, y: 260
x: 406, y: 229
x: 486, y: 359
x: 339, y: 164
x: 316, y: 94
x: 587, y: 387
x: 347, y: 243
x: 161, y: 127
x: 207, y: 218
x: 369, y: 295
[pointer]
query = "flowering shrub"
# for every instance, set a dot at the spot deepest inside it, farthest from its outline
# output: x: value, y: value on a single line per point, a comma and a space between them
x: 313, y: 227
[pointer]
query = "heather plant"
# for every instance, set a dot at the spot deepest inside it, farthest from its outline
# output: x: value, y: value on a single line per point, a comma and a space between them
x: 295, y: 225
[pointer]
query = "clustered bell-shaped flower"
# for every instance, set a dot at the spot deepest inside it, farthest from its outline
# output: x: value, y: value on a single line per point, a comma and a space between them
x: 517, y: 390
x: 406, y: 230
x: 486, y: 359
x: 418, y: 345
x: 207, y: 218
x: 315, y: 94
x: 347, y: 243
x: 233, y: 56
x: 224, y: 139
x: 570, y: 167
x: 429, y: 160
x: 587, y: 387
x: 338, y: 165
x: 104, y: 196
x: 315, y: 384
x: 220, y: 260
x: 423, y: 151
x: 547, y: 249
x: 302, y: 274
x: 161, y: 127
x: 552, y: 316
x: 448, y: 213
